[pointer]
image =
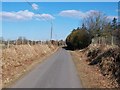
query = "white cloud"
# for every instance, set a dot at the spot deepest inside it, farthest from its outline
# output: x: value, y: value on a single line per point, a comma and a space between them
x: 24, y: 15
x: 44, y: 16
x: 35, y: 6
x: 76, y: 13
x: 112, y: 17
x: 20, y: 15
x: 80, y: 14
x: 91, y: 11
x: 72, y: 13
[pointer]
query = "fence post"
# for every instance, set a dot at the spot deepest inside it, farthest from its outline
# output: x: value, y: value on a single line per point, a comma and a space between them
x: 16, y: 42
x: 22, y: 41
x: 31, y: 43
x: 112, y: 41
x: 28, y: 42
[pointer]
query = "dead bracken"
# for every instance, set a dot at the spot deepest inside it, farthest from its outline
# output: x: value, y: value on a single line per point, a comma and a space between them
x: 108, y: 61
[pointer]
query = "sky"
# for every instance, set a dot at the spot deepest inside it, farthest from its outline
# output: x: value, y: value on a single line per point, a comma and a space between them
x: 61, y: 0
x: 33, y: 20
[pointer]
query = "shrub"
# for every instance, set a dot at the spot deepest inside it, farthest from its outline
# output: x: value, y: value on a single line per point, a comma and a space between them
x: 78, y: 39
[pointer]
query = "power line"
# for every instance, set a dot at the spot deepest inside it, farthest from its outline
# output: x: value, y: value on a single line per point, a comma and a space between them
x: 28, y: 3
x: 51, y: 34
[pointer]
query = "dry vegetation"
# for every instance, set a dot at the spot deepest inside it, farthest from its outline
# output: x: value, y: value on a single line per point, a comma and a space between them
x: 19, y: 59
x: 0, y: 68
x: 98, y: 66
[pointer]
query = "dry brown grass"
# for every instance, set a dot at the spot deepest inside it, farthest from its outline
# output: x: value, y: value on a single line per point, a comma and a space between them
x: 19, y: 59
x: 0, y: 68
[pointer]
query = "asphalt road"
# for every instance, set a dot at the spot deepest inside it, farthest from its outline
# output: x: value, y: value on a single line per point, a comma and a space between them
x: 58, y: 71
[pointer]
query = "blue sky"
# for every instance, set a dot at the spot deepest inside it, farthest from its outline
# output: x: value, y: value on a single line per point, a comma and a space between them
x: 20, y: 19
x: 61, y: 0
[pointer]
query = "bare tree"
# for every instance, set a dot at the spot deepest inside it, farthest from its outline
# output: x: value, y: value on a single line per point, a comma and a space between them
x: 95, y: 22
x: 19, y: 40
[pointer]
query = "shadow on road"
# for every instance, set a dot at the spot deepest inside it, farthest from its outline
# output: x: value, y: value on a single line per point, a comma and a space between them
x: 67, y: 48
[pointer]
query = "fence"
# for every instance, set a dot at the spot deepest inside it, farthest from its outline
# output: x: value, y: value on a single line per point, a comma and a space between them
x: 111, y: 40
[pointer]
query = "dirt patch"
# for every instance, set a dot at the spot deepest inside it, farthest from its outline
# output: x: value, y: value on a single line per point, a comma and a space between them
x: 19, y: 59
x: 90, y: 76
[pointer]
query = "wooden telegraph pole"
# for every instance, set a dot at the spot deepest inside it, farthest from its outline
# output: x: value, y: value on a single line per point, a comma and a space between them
x: 51, y: 30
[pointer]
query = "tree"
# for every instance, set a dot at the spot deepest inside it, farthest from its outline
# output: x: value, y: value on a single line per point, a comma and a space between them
x: 118, y: 26
x: 114, y: 24
x: 2, y: 40
x: 83, y: 27
x: 114, y: 30
x: 25, y: 41
x: 78, y: 28
x: 95, y: 22
x: 117, y: 34
x: 107, y: 30
x: 78, y: 39
x: 20, y: 40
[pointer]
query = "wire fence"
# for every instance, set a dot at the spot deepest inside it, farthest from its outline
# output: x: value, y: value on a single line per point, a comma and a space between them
x: 111, y: 40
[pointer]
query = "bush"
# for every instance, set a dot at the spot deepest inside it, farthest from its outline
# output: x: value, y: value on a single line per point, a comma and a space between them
x: 78, y: 39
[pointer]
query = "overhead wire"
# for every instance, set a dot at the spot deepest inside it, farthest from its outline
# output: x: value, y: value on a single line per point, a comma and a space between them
x: 30, y: 4
x: 51, y: 22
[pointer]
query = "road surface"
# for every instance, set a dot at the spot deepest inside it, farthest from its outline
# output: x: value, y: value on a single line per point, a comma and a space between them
x: 58, y: 71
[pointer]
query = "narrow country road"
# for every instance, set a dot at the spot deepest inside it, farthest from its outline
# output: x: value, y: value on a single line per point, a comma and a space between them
x: 58, y: 71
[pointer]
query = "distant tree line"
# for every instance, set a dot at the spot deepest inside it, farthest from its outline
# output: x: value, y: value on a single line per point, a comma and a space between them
x: 24, y: 41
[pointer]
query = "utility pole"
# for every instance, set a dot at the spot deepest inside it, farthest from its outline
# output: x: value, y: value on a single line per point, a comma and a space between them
x: 51, y: 30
